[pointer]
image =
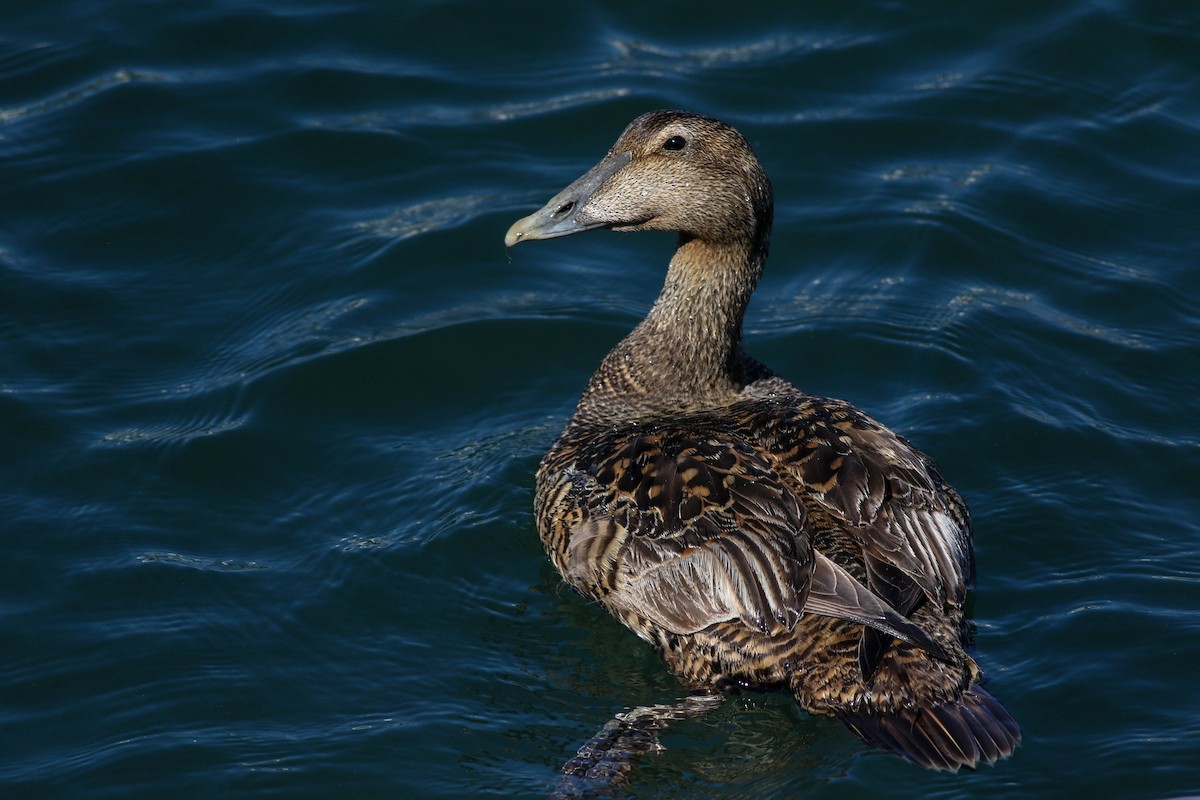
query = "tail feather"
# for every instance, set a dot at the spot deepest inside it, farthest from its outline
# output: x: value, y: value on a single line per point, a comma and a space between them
x: 972, y: 730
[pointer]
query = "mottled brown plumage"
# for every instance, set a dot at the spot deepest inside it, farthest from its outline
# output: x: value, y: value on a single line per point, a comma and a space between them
x: 756, y: 536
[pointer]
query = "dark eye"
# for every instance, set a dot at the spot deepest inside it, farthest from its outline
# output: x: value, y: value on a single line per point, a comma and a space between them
x: 675, y: 143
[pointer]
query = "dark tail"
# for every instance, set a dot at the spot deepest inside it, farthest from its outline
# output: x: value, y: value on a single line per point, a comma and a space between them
x: 975, y: 729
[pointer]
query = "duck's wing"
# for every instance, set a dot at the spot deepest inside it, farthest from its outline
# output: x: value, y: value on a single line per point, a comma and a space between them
x: 689, y: 531
x: 685, y: 531
x: 890, y: 496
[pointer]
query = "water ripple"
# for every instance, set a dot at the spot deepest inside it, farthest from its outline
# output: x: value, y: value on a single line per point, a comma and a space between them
x: 643, y: 57
x: 200, y: 562
x: 506, y: 112
x: 80, y: 94
x: 430, y: 215
x: 167, y: 433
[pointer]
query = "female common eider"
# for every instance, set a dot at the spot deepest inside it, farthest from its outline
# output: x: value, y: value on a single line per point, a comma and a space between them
x: 755, y: 535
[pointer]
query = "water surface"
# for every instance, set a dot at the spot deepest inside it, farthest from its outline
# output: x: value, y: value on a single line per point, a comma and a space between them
x: 273, y: 393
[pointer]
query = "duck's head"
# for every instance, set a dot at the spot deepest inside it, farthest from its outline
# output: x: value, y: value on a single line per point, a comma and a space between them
x: 668, y: 171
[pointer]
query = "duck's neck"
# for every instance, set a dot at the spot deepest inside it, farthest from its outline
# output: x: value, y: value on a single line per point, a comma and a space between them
x: 687, y: 353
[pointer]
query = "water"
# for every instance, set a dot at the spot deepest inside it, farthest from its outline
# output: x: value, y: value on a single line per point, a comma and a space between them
x: 273, y: 393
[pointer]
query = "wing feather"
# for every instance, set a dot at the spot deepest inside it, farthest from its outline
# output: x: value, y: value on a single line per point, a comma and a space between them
x: 688, y: 532
x: 889, y: 495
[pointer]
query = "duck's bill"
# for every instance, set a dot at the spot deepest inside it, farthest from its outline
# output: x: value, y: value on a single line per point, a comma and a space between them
x: 566, y: 213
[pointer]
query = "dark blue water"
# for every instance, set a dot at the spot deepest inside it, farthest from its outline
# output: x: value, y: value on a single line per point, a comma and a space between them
x: 272, y: 392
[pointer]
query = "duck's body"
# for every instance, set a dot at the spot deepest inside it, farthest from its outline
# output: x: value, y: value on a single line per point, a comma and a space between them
x: 755, y: 535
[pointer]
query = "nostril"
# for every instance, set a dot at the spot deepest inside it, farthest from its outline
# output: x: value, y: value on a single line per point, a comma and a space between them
x: 565, y: 208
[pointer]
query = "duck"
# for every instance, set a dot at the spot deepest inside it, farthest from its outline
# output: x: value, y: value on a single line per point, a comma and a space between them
x: 756, y: 536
